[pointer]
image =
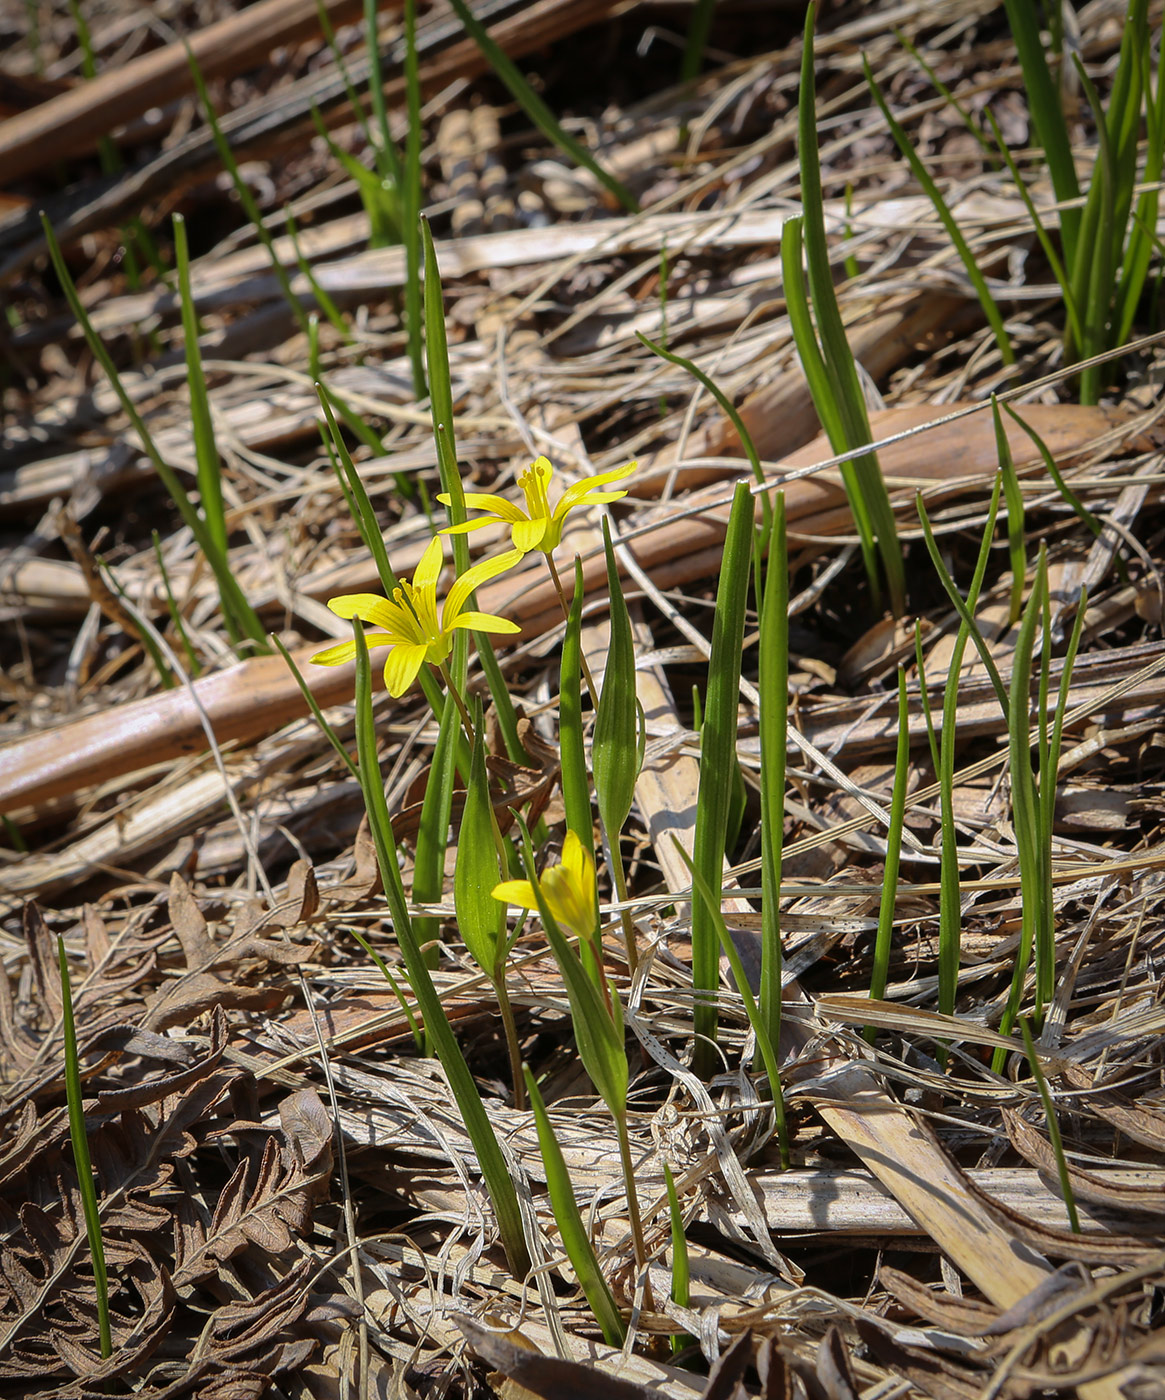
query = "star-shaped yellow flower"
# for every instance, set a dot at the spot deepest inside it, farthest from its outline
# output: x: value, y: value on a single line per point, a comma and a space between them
x: 539, y: 526
x: 569, y: 890
x: 409, y: 621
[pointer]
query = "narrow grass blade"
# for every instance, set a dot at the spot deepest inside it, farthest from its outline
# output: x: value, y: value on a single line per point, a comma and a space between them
x: 1095, y: 267
x: 323, y: 300
x: 1047, y: 114
x: 568, y: 1218
x: 1139, y: 249
x: 1015, y: 516
x: 205, y: 448
x: 148, y: 642
x: 821, y: 389
x: 313, y: 705
x: 80, y: 1141
x: 576, y: 787
x: 952, y: 101
x: 1054, y: 261
x: 1024, y: 808
x: 717, y: 755
x: 843, y: 384
x: 1053, y: 1122
x: 433, y: 832
x: 418, y: 1033
x: 961, y: 607
x: 246, y: 198
x: 481, y: 919
x: 934, y: 194
x: 535, y: 108
x: 410, y: 202
x: 773, y: 722
x: 354, y: 102
x: 950, y: 922
x: 1081, y: 510
x: 437, y: 1028
x: 193, y: 665
x: 387, y: 156
x: 379, y: 192
x: 881, y: 968
x: 615, y: 744
x: 351, y: 419
x: 697, y: 39
x: 706, y: 898
x: 729, y: 408
x: 234, y: 603
x: 681, y: 1274
x: 441, y: 411
x: 924, y: 696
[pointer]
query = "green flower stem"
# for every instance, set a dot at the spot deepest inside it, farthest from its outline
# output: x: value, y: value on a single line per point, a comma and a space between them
x: 620, y: 879
x: 509, y: 1025
x: 582, y: 656
x: 466, y: 721
x: 638, y: 1243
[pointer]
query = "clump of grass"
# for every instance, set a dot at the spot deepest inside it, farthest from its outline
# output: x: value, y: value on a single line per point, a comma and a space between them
x: 828, y: 362
x: 1108, y: 243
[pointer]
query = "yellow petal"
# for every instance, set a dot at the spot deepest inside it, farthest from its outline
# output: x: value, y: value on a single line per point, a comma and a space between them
x: 529, y: 534
x: 519, y: 892
x: 428, y: 570
x: 371, y: 607
x: 402, y: 666
x: 573, y: 494
x: 472, y: 578
x: 335, y: 656
x: 496, y: 505
x: 484, y: 622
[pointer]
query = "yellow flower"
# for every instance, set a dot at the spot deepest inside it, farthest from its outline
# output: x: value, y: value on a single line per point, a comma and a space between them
x: 568, y: 889
x: 409, y: 621
x: 538, y: 526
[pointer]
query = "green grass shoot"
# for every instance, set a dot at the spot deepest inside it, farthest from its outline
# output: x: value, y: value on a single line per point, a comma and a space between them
x: 773, y: 722
x: 80, y: 1140
x: 618, y: 739
x: 718, y: 737
x: 571, y: 1228
x: 829, y: 363
x: 706, y: 898
x: 681, y: 1273
x: 1053, y: 1122
x: 934, y: 194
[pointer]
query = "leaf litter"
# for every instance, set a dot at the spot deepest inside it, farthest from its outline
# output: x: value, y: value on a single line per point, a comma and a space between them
x: 289, y: 1200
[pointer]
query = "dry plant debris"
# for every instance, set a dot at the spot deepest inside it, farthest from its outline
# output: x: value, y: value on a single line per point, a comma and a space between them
x: 289, y: 1200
